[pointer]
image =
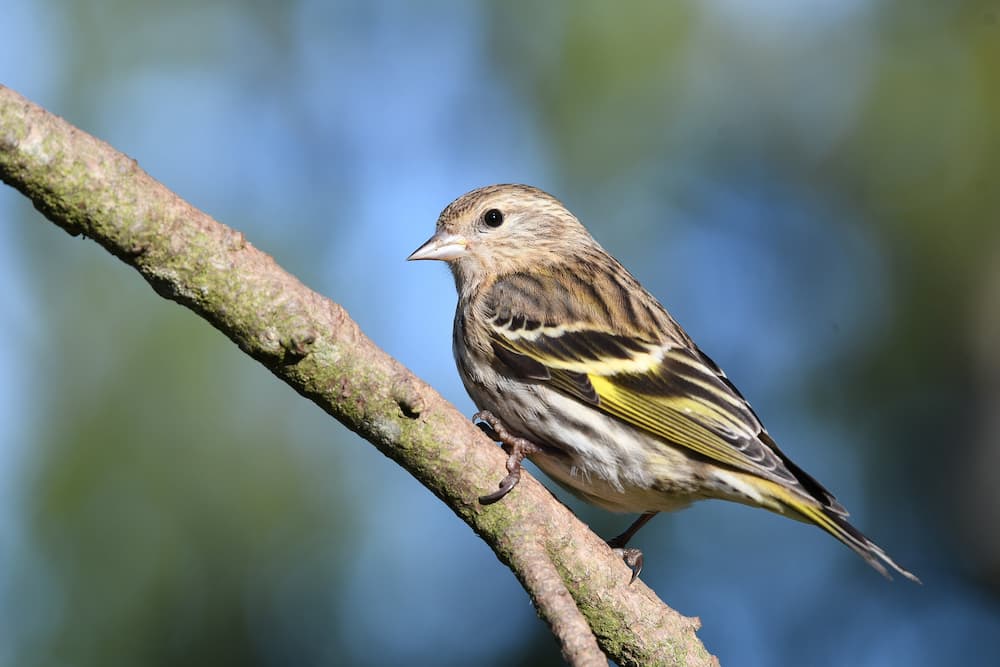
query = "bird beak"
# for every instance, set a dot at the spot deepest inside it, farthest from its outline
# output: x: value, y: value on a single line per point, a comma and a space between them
x: 441, y: 246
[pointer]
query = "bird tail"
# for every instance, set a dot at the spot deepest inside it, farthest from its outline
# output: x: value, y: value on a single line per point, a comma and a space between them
x: 833, y: 520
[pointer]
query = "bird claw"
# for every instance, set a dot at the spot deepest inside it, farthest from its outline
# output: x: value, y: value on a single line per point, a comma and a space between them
x: 506, y: 484
x: 632, y: 558
x: 631, y: 555
x: 517, y: 448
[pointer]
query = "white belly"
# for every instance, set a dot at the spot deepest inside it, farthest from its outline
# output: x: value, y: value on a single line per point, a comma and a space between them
x: 595, y: 456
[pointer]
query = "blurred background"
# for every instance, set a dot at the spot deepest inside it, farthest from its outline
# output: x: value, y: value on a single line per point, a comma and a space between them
x: 811, y: 188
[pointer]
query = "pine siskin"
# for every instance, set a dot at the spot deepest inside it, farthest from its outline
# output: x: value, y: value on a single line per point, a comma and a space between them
x: 577, y: 366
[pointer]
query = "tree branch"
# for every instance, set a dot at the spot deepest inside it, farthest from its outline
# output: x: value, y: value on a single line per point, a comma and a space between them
x: 577, y: 584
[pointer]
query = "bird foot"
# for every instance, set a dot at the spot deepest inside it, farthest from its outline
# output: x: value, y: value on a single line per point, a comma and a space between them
x: 632, y: 558
x: 631, y: 555
x: 516, y: 448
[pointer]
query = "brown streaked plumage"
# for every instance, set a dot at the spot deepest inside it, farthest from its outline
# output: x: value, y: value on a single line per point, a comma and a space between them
x: 584, y: 371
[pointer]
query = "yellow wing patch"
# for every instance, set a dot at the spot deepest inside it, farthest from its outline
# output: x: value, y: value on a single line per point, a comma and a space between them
x: 670, y: 418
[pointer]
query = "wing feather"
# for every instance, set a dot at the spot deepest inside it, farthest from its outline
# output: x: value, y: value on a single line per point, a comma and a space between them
x: 653, y: 378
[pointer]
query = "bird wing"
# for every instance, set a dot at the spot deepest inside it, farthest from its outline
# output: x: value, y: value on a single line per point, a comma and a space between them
x: 655, y: 380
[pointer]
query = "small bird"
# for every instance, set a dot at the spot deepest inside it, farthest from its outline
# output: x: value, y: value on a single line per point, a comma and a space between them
x: 575, y: 365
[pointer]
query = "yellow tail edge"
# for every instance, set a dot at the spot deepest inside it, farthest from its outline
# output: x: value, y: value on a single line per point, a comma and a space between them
x: 834, y: 524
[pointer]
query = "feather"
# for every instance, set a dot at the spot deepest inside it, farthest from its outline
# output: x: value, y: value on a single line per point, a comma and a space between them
x: 658, y: 383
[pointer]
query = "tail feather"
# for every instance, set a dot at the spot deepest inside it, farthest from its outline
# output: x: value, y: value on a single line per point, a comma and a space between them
x: 875, y: 556
x: 808, y: 482
x: 832, y: 520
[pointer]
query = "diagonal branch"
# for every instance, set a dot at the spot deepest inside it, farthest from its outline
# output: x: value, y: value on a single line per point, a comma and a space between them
x: 577, y: 584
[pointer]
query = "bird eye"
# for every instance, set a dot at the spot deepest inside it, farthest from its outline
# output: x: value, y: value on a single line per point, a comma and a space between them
x: 493, y: 217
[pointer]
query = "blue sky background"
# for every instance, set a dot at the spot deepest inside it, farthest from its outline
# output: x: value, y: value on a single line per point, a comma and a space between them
x: 809, y: 189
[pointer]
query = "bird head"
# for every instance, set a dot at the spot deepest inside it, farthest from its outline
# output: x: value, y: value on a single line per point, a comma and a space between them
x: 502, y: 229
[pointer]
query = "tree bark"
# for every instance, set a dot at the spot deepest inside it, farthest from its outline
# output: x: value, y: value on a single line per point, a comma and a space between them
x: 575, y: 581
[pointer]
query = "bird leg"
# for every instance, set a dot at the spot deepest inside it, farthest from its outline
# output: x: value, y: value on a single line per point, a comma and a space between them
x: 631, y: 555
x: 516, y: 448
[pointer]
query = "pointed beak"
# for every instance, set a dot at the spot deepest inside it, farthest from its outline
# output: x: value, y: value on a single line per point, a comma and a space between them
x: 441, y: 246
